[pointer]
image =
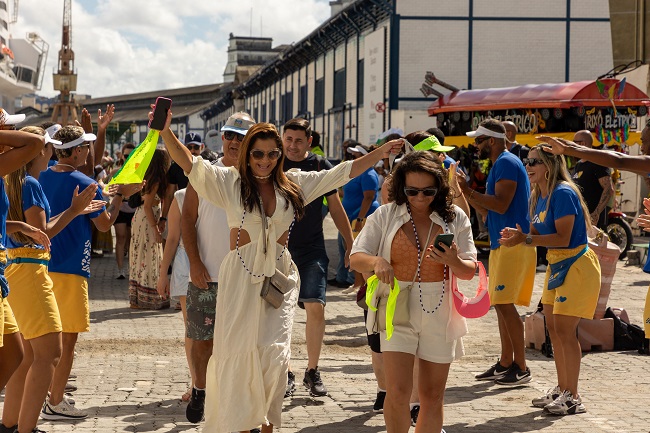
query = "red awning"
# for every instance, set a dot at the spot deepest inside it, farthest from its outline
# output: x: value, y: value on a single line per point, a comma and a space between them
x: 561, y: 95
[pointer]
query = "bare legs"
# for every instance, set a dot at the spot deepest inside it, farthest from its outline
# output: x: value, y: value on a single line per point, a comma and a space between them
x: 62, y: 371
x: 122, y: 237
x: 566, y: 348
x: 511, y: 331
x: 314, y: 332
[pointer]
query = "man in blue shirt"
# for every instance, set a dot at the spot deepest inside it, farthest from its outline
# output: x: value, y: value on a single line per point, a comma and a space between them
x: 69, y: 266
x: 512, y: 271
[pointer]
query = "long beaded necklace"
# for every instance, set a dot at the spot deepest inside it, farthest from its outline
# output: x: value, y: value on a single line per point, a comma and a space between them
x: 420, y: 256
x: 241, y: 225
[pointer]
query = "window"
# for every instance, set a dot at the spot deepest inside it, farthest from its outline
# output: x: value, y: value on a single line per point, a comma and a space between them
x: 286, y: 107
x: 3, y: 5
x: 263, y: 114
x: 272, y: 117
x: 319, y: 97
x: 302, y: 100
x: 360, y: 83
x: 339, y: 88
x: 4, y: 24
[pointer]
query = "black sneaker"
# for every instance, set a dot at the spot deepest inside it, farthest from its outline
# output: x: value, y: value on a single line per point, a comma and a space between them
x: 414, y: 414
x: 256, y: 430
x: 515, y: 376
x: 379, y: 402
x: 336, y: 283
x: 314, y: 384
x: 497, y: 371
x: 291, y: 385
x: 196, y: 406
x: 4, y: 429
x: 645, y: 350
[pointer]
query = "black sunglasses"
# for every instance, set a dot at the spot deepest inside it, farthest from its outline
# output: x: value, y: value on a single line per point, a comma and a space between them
x: 193, y: 146
x: 230, y: 135
x: 260, y: 154
x: 532, y: 162
x: 479, y: 140
x: 428, y: 192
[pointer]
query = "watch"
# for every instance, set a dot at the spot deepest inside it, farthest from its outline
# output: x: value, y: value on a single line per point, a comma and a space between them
x: 529, y: 239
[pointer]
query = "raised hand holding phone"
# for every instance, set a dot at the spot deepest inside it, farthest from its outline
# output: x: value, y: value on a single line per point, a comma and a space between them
x: 160, y: 110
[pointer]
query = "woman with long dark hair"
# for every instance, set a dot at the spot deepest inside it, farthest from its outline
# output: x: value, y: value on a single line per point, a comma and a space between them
x: 559, y: 221
x: 247, y: 374
x: 145, y: 252
x: 396, y: 245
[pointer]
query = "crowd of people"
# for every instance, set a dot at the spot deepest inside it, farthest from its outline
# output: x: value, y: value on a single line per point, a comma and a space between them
x: 268, y: 194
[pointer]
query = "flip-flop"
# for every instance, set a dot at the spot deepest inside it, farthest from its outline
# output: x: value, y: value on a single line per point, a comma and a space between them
x: 187, y: 396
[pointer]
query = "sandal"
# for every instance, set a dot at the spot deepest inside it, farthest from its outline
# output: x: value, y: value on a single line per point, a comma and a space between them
x: 187, y: 396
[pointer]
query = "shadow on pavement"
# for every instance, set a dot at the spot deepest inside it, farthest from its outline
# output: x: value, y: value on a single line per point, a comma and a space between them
x: 354, y: 424
x: 531, y: 421
x: 127, y: 313
x: 460, y: 394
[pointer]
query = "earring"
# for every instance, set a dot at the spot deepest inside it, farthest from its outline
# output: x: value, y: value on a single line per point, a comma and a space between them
x: 546, y: 175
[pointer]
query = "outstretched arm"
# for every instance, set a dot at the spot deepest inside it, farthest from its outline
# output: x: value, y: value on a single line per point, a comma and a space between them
x: 560, y: 146
x: 23, y: 147
x: 360, y: 165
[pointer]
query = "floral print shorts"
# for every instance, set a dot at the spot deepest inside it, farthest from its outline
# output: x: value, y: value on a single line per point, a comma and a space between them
x: 201, y: 306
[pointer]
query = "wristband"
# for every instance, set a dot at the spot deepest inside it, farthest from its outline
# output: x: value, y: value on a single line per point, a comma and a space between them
x: 120, y: 194
x: 162, y: 219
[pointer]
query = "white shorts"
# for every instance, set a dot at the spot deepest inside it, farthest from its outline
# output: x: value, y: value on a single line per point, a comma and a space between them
x: 426, y: 334
x: 180, y: 273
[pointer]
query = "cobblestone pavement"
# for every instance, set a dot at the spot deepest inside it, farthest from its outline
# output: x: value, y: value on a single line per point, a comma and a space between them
x: 132, y: 371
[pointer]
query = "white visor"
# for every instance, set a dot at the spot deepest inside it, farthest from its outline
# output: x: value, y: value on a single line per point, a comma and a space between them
x: 76, y: 142
x: 481, y: 131
x: 53, y: 129
x: 49, y: 139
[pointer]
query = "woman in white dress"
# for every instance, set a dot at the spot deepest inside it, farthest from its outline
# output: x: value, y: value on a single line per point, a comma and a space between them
x: 247, y: 372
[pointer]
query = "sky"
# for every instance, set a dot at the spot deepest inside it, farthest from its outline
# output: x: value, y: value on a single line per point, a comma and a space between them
x: 121, y: 48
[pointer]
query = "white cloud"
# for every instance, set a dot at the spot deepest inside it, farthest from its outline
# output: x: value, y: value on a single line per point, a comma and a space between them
x: 124, y: 46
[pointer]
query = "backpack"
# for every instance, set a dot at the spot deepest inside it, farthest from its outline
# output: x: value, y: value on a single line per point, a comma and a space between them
x: 627, y: 336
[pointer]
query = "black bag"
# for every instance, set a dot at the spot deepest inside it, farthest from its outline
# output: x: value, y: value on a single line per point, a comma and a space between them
x: 547, y: 346
x: 626, y: 335
x: 135, y: 201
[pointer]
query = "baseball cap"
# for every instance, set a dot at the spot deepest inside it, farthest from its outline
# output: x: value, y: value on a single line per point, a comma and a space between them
x: 10, y: 119
x: 358, y: 149
x: 192, y: 138
x: 432, y: 143
x: 239, y: 123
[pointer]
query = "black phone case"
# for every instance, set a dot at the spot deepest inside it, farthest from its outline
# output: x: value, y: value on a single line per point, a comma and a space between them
x: 438, y: 240
x: 160, y: 114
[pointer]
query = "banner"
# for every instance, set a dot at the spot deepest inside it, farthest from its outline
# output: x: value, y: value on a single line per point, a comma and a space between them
x: 138, y: 161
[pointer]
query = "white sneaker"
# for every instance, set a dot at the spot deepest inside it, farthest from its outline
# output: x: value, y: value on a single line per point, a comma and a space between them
x: 565, y: 404
x: 351, y: 289
x: 541, y: 268
x: 61, y: 411
x: 67, y: 397
x: 547, y: 398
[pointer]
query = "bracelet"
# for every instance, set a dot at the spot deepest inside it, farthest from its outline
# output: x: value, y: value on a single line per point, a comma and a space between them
x: 361, y: 219
x: 120, y: 194
x: 162, y: 219
x: 471, y: 194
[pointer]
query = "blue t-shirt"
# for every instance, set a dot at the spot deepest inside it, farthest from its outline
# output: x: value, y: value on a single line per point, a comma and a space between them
x: 353, y: 193
x: 508, y: 167
x: 33, y: 195
x: 4, y: 210
x: 448, y: 161
x: 564, y: 201
x: 71, y: 247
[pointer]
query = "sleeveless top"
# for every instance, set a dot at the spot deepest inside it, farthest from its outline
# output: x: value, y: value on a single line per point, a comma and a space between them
x: 404, y: 258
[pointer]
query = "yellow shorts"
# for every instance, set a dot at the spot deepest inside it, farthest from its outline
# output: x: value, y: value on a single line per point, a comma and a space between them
x: 9, y: 325
x: 71, y: 293
x: 578, y: 295
x: 32, y: 299
x: 512, y: 275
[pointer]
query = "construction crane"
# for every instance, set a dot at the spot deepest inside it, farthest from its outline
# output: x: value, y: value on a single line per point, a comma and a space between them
x: 65, y: 79
x: 14, y: 13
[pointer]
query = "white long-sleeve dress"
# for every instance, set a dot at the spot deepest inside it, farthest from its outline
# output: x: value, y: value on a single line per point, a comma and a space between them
x: 247, y: 373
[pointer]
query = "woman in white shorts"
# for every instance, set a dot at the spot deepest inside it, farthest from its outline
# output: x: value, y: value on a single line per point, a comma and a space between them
x: 177, y: 287
x: 396, y: 245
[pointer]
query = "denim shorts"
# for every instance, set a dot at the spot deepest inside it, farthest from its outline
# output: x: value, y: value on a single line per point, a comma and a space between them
x: 313, y: 281
x: 201, y: 306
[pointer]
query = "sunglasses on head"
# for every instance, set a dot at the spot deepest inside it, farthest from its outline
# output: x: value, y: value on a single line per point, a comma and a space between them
x: 193, y: 146
x: 271, y: 154
x: 532, y: 162
x: 230, y: 135
x: 428, y: 192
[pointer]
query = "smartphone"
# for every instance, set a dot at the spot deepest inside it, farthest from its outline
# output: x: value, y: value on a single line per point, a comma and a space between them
x: 443, y: 238
x: 160, y: 110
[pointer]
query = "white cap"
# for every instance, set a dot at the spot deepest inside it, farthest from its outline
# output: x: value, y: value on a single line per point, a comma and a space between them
x: 481, y: 131
x: 358, y: 149
x: 49, y: 139
x: 53, y: 129
x: 76, y: 142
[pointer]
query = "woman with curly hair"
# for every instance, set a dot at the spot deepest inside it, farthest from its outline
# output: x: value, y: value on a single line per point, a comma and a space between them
x: 252, y: 337
x: 145, y: 252
x: 396, y: 245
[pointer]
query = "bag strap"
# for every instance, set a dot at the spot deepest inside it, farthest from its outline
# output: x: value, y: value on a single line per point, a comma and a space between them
x: 264, y: 222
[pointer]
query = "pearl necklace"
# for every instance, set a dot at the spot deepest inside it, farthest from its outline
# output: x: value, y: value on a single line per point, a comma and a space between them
x: 420, y: 256
x: 262, y: 177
